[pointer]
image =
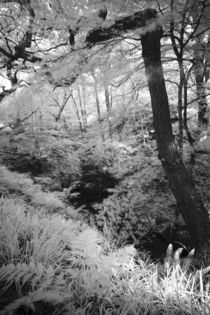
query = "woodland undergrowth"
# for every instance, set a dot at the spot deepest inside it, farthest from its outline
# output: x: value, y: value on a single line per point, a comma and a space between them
x: 52, y: 261
x: 48, y: 262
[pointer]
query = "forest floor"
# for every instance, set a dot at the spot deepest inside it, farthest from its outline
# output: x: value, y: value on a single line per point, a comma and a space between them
x: 114, y: 198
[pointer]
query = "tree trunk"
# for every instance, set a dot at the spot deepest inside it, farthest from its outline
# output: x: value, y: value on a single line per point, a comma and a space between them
x: 66, y: 97
x: 185, y: 124
x: 98, y: 109
x: 199, y: 72
x: 200, y: 62
x: 180, y: 104
x: 189, y: 203
x: 78, y: 115
x: 84, y: 105
x: 82, y: 111
x: 108, y: 111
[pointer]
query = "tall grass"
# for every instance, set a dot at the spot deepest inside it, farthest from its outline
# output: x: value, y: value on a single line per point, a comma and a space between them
x: 21, y: 185
x: 71, y: 267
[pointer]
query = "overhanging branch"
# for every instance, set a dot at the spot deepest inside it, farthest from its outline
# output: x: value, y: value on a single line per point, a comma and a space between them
x: 145, y: 19
x: 128, y: 23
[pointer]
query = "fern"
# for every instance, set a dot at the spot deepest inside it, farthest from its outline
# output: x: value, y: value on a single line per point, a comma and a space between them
x: 69, y: 265
x: 20, y: 184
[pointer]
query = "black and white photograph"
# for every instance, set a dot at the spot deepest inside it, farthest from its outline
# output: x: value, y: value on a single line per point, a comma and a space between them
x: 104, y: 157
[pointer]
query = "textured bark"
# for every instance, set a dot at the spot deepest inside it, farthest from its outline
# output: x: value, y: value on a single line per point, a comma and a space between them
x: 199, y: 72
x: 200, y: 14
x: 189, y: 203
x: 180, y: 105
x: 185, y: 125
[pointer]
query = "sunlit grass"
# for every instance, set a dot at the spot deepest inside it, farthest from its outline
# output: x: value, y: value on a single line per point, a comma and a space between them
x: 64, y: 263
x: 21, y: 184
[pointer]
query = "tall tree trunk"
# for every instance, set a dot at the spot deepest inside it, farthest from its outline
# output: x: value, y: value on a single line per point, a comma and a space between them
x: 188, y: 201
x: 84, y: 105
x: 185, y: 124
x: 180, y: 103
x: 77, y: 114
x: 199, y: 72
x: 98, y: 109
x: 66, y: 97
x: 108, y: 110
x: 82, y: 110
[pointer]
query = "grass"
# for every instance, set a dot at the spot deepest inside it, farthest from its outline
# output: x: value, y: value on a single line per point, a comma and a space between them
x: 22, y: 185
x: 68, y: 267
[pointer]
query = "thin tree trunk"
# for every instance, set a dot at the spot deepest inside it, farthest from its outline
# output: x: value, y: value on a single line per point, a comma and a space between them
x: 200, y: 64
x: 108, y: 111
x: 98, y: 107
x: 185, y: 125
x: 178, y: 44
x: 98, y: 111
x: 62, y: 106
x: 84, y: 105
x: 180, y: 104
x: 189, y: 203
x: 77, y: 114
x: 199, y: 72
x: 83, y: 111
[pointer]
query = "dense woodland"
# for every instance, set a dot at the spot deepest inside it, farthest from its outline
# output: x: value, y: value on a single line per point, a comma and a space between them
x: 104, y: 157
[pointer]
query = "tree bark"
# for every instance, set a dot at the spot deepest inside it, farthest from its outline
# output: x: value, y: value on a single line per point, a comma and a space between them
x: 180, y: 93
x: 188, y: 201
x: 199, y: 9
x: 185, y: 124
x: 199, y: 72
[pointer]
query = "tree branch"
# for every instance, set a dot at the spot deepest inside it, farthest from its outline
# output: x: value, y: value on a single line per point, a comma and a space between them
x: 128, y: 23
x: 141, y: 19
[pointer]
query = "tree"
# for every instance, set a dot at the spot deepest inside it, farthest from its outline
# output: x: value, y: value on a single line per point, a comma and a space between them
x: 108, y: 110
x: 200, y: 11
x: 189, y: 203
x: 80, y: 117
x: 179, y: 42
x: 98, y: 108
x: 61, y: 106
x: 189, y: 32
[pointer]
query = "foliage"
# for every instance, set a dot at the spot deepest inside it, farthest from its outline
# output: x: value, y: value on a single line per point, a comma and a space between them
x: 71, y: 267
x: 22, y: 186
x: 109, y: 169
x: 140, y: 208
x: 41, y: 153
